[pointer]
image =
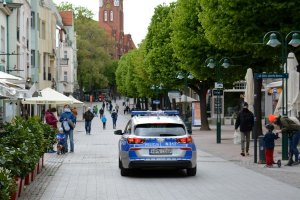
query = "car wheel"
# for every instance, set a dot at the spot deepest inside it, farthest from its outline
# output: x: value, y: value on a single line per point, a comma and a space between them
x: 124, y: 171
x: 191, y: 171
x: 120, y: 164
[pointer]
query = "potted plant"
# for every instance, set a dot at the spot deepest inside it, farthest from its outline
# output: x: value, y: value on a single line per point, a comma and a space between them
x: 8, y: 187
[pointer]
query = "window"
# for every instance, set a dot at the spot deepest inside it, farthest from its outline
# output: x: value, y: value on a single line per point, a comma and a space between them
x: 159, y: 130
x: 33, y: 58
x: 65, y: 55
x: 2, y: 50
x: 32, y: 19
x: 66, y: 76
x: 43, y: 35
x: 111, y: 16
x: 105, y: 16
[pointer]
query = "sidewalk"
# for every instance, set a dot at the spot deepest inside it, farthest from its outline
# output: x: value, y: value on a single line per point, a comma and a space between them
x: 94, y: 160
x: 206, y: 141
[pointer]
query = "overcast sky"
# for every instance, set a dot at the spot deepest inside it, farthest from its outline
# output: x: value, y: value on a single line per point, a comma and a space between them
x: 137, y: 14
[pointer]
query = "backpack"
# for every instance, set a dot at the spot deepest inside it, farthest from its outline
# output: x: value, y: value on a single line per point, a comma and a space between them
x: 65, y: 125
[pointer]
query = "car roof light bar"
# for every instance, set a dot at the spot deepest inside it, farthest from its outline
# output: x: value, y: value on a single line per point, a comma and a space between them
x: 155, y: 113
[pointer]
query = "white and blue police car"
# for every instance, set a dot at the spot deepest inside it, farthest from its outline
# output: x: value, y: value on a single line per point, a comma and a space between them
x: 156, y: 139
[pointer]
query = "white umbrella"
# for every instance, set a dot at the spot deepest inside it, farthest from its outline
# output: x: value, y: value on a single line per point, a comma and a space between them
x: 185, y: 98
x: 249, y: 92
x: 293, y: 84
x: 75, y: 101
x: 7, y: 76
x: 49, y: 96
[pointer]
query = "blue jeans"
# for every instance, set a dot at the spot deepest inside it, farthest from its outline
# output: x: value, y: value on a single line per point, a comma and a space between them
x: 114, y: 122
x: 295, y: 141
x: 69, y: 134
x: 88, y: 125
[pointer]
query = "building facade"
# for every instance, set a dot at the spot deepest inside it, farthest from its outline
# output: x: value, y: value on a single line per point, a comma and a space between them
x: 111, y: 19
x: 67, y: 72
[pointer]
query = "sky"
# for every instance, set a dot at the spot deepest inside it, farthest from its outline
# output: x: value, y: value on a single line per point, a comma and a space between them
x: 137, y: 14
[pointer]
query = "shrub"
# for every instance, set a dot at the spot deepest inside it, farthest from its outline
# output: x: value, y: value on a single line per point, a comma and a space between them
x: 7, y: 184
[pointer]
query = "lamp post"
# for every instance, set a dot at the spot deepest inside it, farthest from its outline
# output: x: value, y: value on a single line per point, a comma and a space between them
x: 283, y: 41
x: 156, y: 88
x: 213, y: 63
x: 185, y: 76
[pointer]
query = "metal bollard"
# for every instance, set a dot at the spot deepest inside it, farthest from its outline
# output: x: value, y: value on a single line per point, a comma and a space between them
x: 262, y: 158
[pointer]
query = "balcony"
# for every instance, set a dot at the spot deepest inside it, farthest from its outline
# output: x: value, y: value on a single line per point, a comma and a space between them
x: 64, y: 61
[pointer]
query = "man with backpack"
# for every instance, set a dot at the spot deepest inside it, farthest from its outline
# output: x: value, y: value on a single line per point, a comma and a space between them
x: 88, y: 117
x: 68, y: 120
x: 245, y: 120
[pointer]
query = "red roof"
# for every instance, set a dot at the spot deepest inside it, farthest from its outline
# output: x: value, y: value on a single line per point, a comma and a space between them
x: 67, y: 17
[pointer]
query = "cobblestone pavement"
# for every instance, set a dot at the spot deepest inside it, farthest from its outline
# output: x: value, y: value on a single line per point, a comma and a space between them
x: 91, y: 172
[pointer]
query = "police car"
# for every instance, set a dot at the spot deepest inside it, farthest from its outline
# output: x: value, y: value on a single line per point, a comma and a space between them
x: 156, y: 139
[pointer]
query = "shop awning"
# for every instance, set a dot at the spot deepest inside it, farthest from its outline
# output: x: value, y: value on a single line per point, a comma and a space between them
x: 48, y: 96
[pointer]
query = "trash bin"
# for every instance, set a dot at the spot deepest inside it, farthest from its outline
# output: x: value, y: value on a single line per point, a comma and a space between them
x: 262, y: 158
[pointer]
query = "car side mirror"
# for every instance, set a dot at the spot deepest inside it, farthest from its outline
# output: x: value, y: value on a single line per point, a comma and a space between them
x: 118, y: 132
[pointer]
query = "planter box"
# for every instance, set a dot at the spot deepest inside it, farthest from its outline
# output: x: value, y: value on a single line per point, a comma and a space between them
x: 21, y: 188
x: 18, y: 182
x: 14, y: 196
x: 28, y: 178
x: 40, y: 165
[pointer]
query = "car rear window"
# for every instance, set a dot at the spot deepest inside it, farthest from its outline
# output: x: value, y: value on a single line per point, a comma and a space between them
x: 159, y: 130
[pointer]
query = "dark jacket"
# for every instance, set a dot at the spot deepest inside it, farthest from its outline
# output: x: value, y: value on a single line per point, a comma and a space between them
x: 245, y: 120
x: 269, y: 139
x: 88, y: 116
x: 287, y: 125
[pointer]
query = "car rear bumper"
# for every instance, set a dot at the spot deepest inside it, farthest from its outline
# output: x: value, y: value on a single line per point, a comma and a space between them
x: 179, y: 164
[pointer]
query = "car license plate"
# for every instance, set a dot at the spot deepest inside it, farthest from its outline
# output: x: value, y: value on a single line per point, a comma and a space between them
x: 160, y: 151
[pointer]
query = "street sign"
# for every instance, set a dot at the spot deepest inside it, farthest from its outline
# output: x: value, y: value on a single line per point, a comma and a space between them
x: 218, y: 85
x: 156, y: 102
x: 217, y: 92
x: 273, y: 75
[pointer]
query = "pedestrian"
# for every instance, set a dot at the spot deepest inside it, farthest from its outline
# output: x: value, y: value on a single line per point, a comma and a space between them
x: 51, y: 120
x: 117, y: 108
x: 67, y: 116
x: 61, y: 141
x: 245, y: 120
x: 95, y: 110
x: 103, y: 105
x: 88, y: 117
x: 101, y: 112
x: 126, y: 110
x: 104, y: 119
x: 269, y: 141
x: 75, y: 113
x: 110, y: 107
x: 114, y: 116
x: 107, y: 108
x: 292, y: 129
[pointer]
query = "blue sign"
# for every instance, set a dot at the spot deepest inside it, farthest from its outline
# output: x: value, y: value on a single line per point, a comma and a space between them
x: 273, y: 75
x: 156, y: 102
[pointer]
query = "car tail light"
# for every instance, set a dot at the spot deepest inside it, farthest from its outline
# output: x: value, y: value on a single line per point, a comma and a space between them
x: 186, y: 148
x: 135, y: 140
x: 185, y: 140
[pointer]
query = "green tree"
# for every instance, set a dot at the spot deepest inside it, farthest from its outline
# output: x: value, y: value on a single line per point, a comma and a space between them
x: 159, y: 61
x: 239, y: 26
x: 192, y: 49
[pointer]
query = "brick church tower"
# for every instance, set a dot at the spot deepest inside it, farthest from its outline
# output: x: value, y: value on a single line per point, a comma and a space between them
x: 111, y: 18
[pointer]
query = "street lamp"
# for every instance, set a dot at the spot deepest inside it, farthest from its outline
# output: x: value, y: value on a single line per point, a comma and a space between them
x: 185, y: 76
x: 213, y: 63
x: 283, y: 41
x: 156, y: 88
